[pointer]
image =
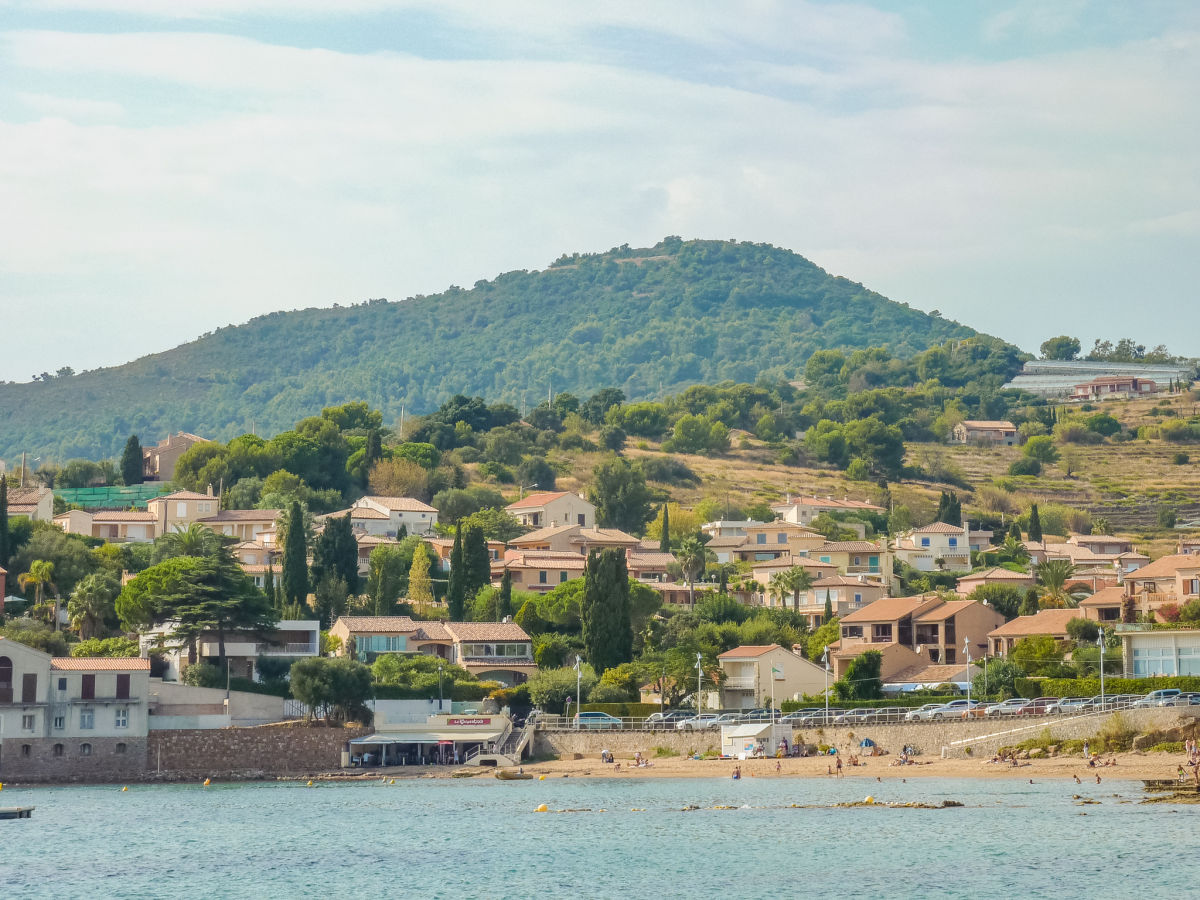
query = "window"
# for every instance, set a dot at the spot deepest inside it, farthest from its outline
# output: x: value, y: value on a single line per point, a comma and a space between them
x: 949, y: 656
x: 27, y: 722
x: 858, y: 599
x: 58, y: 749
x: 119, y: 749
x: 87, y: 718
x: 88, y: 688
x: 121, y: 717
x: 760, y: 538
x: 123, y: 686
x: 26, y: 751
x: 826, y: 559
x: 181, y: 510
x: 29, y: 687
x: 781, y: 538
x: 873, y: 562
x: 924, y: 542
x: 953, y: 542
x: 62, y: 684
x: 6, y: 676
x: 60, y: 722
x: 858, y: 560
x: 85, y: 749
x: 579, y: 520
x: 543, y: 578
x: 562, y: 576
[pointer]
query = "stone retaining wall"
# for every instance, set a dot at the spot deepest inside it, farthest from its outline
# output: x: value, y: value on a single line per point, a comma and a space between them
x: 260, y: 751
x: 91, y: 759
x: 929, y: 738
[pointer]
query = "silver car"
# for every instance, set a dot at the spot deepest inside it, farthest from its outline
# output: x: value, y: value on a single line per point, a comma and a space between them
x: 923, y: 713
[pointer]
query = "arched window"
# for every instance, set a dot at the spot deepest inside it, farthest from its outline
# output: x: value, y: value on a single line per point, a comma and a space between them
x: 6, y: 676
x: 119, y: 749
x: 85, y: 749
x: 58, y: 749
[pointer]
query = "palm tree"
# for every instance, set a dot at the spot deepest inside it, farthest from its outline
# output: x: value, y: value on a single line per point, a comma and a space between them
x: 196, y: 540
x: 1054, y: 574
x: 41, y: 576
x: 801, y: 581
x: 1014, y: 550
x: 91, y: 603
x: 692, y: 556
x: 780, y: 587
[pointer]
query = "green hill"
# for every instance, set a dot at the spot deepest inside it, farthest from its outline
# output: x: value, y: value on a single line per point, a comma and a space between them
x: 647, y: 321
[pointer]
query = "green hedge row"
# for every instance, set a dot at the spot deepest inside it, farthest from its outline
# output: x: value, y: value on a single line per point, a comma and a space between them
x: 1090, y: 687
x: 623, y: 710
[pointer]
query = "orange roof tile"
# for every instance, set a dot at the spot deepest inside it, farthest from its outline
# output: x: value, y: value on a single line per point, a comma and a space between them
x: 533, y: 501
x: 890, y: 609
x: 99, y: 664
x: 1047, y: 621
x: 749, y: 650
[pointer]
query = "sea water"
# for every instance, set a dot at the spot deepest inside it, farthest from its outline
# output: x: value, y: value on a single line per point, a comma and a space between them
x: 621, y: 838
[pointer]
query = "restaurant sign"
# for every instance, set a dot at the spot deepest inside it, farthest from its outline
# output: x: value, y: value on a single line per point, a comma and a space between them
x: 481, y: 720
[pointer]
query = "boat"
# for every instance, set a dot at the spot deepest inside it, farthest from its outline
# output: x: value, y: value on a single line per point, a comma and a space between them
x: 16, y: 812
x: 504, y: 775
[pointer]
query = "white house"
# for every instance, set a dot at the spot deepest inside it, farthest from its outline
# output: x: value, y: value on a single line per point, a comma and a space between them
x: 934, y: 547
x: 553, y: 508
x: 760, y: 675
x: 1174, y: 652
x: 384, y: 516
x: 290, y: 639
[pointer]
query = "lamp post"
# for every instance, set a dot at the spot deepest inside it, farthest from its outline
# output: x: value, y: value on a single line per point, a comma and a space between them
x: 662, y: 691
x: 825, y: 661
x: 699, y: 672
x: 521, y: 490
x: 1100, y: 644
x: 578, y: 687
x: 967, y: 653
x: 441, y: 702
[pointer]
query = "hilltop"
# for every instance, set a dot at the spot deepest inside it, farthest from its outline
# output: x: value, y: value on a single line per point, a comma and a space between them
x: 648, y: 321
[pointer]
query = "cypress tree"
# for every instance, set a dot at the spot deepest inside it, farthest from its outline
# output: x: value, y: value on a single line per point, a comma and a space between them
x: 477, y: 564
x: 604, y: 610
x: 402, y: 533
x: 5, y: 550
x: 1030, y: 606
x: 374, y: 448
x: 724, y: 588
x: 1035, y: 524
x: 336, y: 553
x: 664, y: 543
x: 295, y: 558
x: 504, y: 602
x: 456, y: 593
x: 828, y: 617
x: 131, y: 461
x: 1014, y: 531
x: 269, y: 589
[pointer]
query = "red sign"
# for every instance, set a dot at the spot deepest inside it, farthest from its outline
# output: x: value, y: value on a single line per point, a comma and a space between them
x: 472, y: 722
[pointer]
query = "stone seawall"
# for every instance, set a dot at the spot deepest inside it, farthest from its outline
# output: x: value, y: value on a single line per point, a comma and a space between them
x: 983, y: 736
x: 260, y: 751
x: 70, y: 760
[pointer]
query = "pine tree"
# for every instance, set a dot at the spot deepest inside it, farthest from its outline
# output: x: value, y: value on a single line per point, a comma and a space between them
x: 269, y: 589
x: 420, y: 587
x: 336, y: 553
x: 604, y: 610
x: 402, y: 533
x: 828, y: 617
x: 5, y: 550
x: 295, y: 558
x: 456, y: 593
x: 374, y: 448
x: 1035, y: 525
x: 1029, y: 606
x: 131, y: 461
x: 504, y: 604
x: 477, y: 563
x: 664, y: 543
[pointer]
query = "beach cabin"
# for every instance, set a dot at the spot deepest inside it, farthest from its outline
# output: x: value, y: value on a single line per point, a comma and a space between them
x: 742, y: 741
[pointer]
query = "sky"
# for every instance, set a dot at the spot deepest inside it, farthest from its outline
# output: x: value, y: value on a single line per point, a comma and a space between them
x: 168, y: 168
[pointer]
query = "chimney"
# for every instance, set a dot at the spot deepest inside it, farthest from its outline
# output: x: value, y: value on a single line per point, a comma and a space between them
x: 210, y: 493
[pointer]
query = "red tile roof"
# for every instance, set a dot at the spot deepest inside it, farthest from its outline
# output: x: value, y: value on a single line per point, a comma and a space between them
x: 1166, y: 566
x: 1047, y: 621
x: 401, y: 504
x: 749, y: 650
x: 533, y: 501
x: 99, y: 664
x: 891, y: 609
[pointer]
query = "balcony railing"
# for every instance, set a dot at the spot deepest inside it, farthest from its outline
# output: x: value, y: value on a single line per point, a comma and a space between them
x: 740, y: 682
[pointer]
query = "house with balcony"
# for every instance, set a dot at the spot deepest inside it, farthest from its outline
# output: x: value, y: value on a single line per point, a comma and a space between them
x: 544, y: 508
x: 493, y: 651
x: 576, y: 538
x: 867, y: 558
x: 936, y: 547
x: 158, y: 462
x: 1171, y: 579
x: 1050, y: 622
x: 290, y: 639
x: 802, y: 510
x: 374, y: 635
x: 757, y: 676
x: 844, y: 593
x: 1113, y: 387
x: 1085, y: 558
x: 177, y: 511
x: 538, y: 570
x: 71, y: 717
x: 242, y: 524
x: 386, y: 516
x: 728, y: 527
x: 112, y: 525
x: 1106, y: 605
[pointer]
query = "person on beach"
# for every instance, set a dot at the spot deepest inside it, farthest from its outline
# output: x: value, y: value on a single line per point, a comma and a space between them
x: 1086, y: 755
x: 779, y: 767
x: 839, y: 767
x: 737, y: 773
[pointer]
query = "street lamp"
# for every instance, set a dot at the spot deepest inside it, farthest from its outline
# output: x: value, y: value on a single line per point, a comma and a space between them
x: 825, y: 661
x: 662, y: 691
x: 521, y: 490
x: 441, y: 702
x: 578, y: 687
x: 967, y: 653
x: 1100, y: 644
x: 699, y: 672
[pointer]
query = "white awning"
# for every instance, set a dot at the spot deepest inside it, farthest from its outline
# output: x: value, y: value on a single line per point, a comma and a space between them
x: 429, y: 737
x: 737, y: 731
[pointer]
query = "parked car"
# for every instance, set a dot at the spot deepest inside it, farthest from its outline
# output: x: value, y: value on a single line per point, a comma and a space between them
x: 818, y: 718
x: 922, y: 713
x: 1006, y: 708
x: 596, y: 720
x: 796, y: 716
x: 729, y: 718
x: 761, y: 715
x: 666, y: 721
x: 1186, y: 698
x: 859, y: 716
x: 957, y: 709
x: 701, y: 722
x: 1071, y: 705
x: 1041, y: 706
x: 1156, y: 698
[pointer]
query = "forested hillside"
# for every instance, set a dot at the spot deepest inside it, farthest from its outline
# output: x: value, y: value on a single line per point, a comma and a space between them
x: 646, y: 321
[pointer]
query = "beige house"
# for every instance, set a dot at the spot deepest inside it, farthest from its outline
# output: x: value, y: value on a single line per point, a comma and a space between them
x: 538, y: 570
x: 290, y: 639
x: 175, y: 512
x: 113, y: 525
x: 158, y: 462
x: 802, y: 510
x: 935, y: 547
x: 845, y: 594
x: 384, y: 516
x: 242, y: 524
x: 575, y: 538
x: 757, y: 676
x: 1106, y: 605
x: 867, y: 558
x: 553, y: 508
x: 975, y: 431
x: 996, y: 575
x: 1114, y: 387
x: 35, y: 503
x: 1052, y: 622
x: 1171, y: 579
x: 936, y: 631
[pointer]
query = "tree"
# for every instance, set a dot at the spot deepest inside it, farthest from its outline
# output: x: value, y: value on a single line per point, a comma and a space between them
x: 1000, y: 680
x: 41, y: 577
x: 1037, y: 654
x: 399, y: 477
x: 420, y: 587
x: 504, y: 607
x: 92, y: 603
x: 295, y: 558
x: 114, y: 647
x: 329, y: 598
x: 5, y: 544
x: 1030, y: 605
x: 827, y: 616
x: 386, y: 577
x: 1054, y: 574
x: 604, y: 610
x: 692, y: 556
x: 949, y: 509
x: 550, y: 688
x: 821, y: 638
x: 336, y: 553
x: 1004, y: 598
x: 1083, y: 631
x: 621, y: 496
x: 1061, y: 347
x: 195, y: 540
x: 335, y: 690
x: 269, y: 589
x: 1041, y: 447
x: 664, y: 542
x: 132, y: 467
x: 477, y: 562
x: 495, y: 524
x: 456, y: 593
x: 1035, y: 525
x: 862, y: 680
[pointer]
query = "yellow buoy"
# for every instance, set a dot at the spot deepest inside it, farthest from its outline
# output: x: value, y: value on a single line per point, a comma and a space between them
x: 542, y: 808
x: 124, y: 789
x: 870, y: 801
x: 541, y: 778
x: 207, y: 782
x: 310, y: 783
x: 393, y: 781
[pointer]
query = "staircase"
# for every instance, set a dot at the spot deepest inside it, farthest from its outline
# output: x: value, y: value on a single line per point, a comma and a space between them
x: 510, y: 748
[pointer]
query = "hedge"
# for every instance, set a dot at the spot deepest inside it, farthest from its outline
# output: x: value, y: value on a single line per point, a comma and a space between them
x: 623, y: 710
x: 1090, y: 687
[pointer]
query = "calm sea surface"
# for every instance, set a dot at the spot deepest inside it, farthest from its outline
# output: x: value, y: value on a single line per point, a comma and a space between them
x: 482, y: 838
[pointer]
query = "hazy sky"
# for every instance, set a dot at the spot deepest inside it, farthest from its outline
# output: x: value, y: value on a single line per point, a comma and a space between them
x: 171, y: 166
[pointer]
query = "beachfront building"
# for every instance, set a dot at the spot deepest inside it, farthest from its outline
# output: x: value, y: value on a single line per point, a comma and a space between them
x: 70, y: 717
x: 757, y: 676
x: 443, y: 738
x: 1048, y: 622
x: 1147, y: 653
x: 289, y: 640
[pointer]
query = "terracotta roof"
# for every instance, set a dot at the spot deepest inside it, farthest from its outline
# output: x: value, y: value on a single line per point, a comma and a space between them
x: 537, y: 559
x: 533, y: 501
x: 731, y: 541
x: 1105, y: 597
x: 604, y: 535
x: 945, y: 611
x: 1166, y: 566
x: 244, y: 515
x: 842, y: 580
x: 401, y: 504
x: 486, y: 631
x: 989, y: 423
x: 28, y: 496
x: 379, y: 623
x: 938, y: 528
x: 847, y: 547
x: 366, y: 512
x: 997, y: 573
x: 929, y: 674
x: 889, y: 609
x: 748, y: 651
x: 651, y: 559
x: 183, y: 495
x: 99, y: 664
x: 1046, y: 621
x: 122, y: 515
x: 827, y: 502
x: 542, y: 534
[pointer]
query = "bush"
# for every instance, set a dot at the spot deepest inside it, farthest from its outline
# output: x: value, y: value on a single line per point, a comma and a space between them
x: 1180, y: 458
x: 622, y: 710
x: 204, y: 674
x: 1026, y: 465
x: 1041, y: 447
x: 1090, y: 687
x: 121, y: 647
x: 1166, y: 517
x: 668, y: 470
